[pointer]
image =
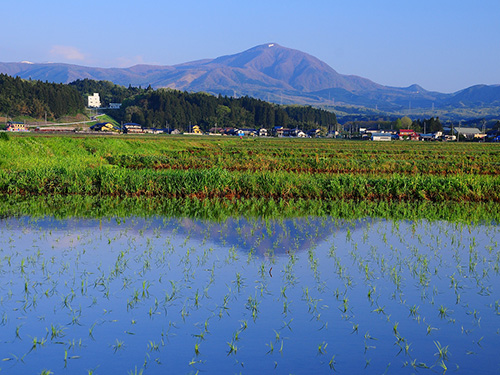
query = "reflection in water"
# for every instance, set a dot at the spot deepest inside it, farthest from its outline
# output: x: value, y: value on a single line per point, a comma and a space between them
x: 258, y: 236
x: 303, y: 295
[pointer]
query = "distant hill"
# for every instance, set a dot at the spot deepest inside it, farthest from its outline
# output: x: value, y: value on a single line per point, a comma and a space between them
x: 270, y: 72
x: 476, y: 96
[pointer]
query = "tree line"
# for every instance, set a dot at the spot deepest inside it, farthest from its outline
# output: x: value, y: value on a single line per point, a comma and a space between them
x: 108, y: 91
x: 19, y: 97
x: 161, y: 108
x: 166, y: 108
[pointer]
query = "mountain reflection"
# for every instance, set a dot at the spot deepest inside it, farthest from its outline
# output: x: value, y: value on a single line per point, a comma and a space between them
x: 263, y: 237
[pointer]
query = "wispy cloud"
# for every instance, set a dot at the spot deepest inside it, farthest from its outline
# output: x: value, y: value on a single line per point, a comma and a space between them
x: 66, y: 52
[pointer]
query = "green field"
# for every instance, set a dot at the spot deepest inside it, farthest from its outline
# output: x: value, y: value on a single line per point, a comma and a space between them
x: 199, y: 167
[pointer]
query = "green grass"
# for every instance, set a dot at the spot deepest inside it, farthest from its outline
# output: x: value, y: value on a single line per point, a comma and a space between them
x: 230, y: 168
x: 106, y: 118
x: 221, y: 209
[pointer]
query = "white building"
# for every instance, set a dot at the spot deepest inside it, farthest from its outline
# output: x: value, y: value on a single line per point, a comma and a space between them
x: 381, y: 137
x: 94, y: 100
x: 468, y: 133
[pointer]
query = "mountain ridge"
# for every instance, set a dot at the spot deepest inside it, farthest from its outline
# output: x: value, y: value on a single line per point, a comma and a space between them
x: 269, y: 72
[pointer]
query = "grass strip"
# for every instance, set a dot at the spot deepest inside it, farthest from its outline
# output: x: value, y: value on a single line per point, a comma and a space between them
x: 62, y: 207
x: 220, y: 183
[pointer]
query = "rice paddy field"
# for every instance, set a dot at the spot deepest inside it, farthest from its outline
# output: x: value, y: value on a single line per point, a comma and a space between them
x: 184, y: 255
x: 248, y: 295
x: 233, y: 168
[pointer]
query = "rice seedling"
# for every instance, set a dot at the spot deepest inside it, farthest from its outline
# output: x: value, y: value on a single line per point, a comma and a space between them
x: 232, y: 348
x: 55, y: 332
x: 136, y: 372
x: 18, y: 328
x: 332, y: 363
x: 253, y: 305
x: 443, y: 312
x: 239, y: 282
x: 430, y: 329
x: 414, y: 311
x: 36, y: 343
x: 322, y: 348
x: 153, y: 346
x: 271, y: 348
x: 380, y: 310
x: 118, y: 345
x: 395, y: 329
x: 442, y: 352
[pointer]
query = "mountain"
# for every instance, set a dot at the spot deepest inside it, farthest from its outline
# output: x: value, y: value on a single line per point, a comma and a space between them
x: 270, y: 72
x: 478, y: 96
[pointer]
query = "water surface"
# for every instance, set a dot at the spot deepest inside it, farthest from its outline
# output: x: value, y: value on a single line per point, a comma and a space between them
x: 303, y: 295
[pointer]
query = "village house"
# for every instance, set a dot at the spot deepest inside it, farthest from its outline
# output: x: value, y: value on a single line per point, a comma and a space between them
x: 468, y: 133
x: 280, y: 131
x: 132, y: 128
x: 105, y: 127
x: 17, y: 127
x: 248, y: 132
x: 408, y: 134
x: 196, y: 130
x: 314, y: 133
x: 381, y: 137
x: 215, y: 131
x: 298, y: 133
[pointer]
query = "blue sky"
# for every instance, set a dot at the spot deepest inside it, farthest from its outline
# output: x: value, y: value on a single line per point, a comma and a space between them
x: 442, y: 45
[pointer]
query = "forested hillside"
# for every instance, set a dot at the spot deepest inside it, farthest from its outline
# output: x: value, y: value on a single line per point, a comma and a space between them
x: 20, y: 97
x: 166, y: 108
x: 176, y: 109
x: 162, y: 108
x: 108, y: 91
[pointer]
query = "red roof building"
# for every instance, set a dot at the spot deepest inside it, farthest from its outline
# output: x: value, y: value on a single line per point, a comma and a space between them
x: 408, y: 134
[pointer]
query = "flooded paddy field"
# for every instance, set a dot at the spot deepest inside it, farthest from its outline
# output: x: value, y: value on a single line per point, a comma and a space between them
x: 248, y: 295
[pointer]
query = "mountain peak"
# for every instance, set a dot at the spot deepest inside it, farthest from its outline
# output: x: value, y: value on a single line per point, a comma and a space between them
x: 414, y: 88
x: 297, y: 69
x: 266, y: 46
x: 267, y: 71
